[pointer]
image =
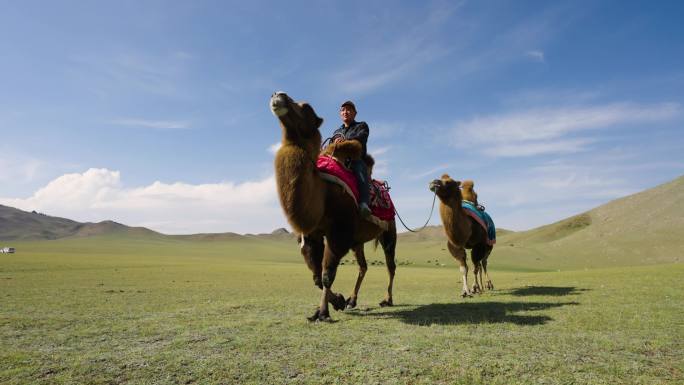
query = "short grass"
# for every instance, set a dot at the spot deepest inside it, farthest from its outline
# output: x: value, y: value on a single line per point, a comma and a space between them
x: 114, y: 311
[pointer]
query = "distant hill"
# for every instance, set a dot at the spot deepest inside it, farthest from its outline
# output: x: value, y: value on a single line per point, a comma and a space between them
x: 643, y: 228
x: 17, y: 224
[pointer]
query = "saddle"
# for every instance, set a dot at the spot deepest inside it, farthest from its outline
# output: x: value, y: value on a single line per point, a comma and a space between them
x: 332, y: 170
x: 481, y: 217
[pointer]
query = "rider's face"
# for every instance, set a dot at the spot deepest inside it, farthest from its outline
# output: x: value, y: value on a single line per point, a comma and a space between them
x: 347, y: 114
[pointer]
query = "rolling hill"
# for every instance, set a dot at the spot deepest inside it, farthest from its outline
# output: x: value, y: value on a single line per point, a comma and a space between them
x: 16, y: 224
x: 640, y: 229
x: 643, y: 228
x: 21, y: 225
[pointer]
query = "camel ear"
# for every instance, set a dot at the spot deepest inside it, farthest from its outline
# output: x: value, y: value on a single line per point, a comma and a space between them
x: 445, y: 176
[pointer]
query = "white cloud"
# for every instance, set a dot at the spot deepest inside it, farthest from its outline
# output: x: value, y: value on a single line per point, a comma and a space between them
x: 535, y: 55
x: 154, y: 124
x: 99, y: 194
x: 539, y: 131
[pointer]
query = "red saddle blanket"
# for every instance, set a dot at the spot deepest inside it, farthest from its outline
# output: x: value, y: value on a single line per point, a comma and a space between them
x: 380, y: 202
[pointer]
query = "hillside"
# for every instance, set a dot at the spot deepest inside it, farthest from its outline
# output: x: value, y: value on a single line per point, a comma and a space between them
x: 16, y: 224
x: 642, y: 228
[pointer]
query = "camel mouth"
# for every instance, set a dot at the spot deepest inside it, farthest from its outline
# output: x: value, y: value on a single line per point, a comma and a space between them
x: 434, y: 185
x: 280, y: 104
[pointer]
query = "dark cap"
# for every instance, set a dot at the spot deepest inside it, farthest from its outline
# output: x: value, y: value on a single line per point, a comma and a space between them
x: 350, y: 104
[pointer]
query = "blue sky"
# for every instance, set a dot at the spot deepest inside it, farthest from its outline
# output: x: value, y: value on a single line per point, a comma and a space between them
x: 156, y: 113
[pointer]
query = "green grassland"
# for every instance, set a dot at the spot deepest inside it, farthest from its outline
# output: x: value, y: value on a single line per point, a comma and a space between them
x: 152, y: 310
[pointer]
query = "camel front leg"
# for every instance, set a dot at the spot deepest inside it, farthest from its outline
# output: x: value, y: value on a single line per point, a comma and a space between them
x: 312, y: 247
x: 363, y: 268
x: 335, y: 249
x: 459, y: 253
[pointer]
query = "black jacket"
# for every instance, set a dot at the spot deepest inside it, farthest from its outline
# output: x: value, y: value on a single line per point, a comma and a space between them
x: 355, y: 131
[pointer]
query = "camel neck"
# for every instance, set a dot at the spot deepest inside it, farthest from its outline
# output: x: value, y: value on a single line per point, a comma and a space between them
x: 300, y: 189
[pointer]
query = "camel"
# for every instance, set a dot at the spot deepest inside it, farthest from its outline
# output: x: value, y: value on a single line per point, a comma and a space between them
x: 324, y: 216
x: 463, y: 232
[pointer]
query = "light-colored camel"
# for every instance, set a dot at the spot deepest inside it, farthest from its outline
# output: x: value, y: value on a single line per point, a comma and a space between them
x: 463, y: 232
x: 322, y: 213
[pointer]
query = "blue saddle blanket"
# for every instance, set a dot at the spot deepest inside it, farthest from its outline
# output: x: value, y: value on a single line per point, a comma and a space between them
x: 484, y: 219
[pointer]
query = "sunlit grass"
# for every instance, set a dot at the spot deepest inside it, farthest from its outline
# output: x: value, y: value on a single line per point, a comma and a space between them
x: 110, y: 311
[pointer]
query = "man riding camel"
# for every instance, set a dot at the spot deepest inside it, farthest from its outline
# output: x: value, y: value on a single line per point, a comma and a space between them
x: 353, y: 130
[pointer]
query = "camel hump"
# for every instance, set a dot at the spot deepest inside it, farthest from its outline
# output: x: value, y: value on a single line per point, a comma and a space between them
x: 467, y: 192
x: 346, y: 149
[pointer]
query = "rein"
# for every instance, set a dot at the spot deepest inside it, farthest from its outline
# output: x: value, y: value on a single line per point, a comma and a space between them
x: 434, y: 198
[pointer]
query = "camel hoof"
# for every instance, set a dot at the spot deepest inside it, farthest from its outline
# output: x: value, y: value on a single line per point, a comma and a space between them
x: 351, y: 303
x: 490, y: 286
x: 315, y: 316
x: 386, y: 303
x: 466, y: 295
x: 338, y: 302
x: 320, y: 317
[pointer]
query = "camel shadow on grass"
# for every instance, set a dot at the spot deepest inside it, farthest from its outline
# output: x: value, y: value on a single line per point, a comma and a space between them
x: 556, y: 291
x: 471, y: 313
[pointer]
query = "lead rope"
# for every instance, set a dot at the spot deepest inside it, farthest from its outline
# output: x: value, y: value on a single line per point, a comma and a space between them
x: 434, y: 198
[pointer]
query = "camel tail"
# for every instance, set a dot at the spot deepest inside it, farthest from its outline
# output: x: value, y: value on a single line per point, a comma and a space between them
x: 376, y: 242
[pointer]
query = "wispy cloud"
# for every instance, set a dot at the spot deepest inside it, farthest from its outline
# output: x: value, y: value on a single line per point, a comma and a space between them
x: 99, y: 194
x: 381, y: 169
x: 382, y: 62
x: 535, y: 55
x: 15, y: 169
x: 154, y: 124
x: 161, y: 74
x: 540, y: 131
x: 433, y: 172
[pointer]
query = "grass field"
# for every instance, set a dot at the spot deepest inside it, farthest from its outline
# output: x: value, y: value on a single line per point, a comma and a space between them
x: 145, y: 311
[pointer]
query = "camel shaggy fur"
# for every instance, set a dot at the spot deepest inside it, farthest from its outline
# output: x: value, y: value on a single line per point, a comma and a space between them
x: 468, y: 191
x: 322, y: 213
x: 462, y: 232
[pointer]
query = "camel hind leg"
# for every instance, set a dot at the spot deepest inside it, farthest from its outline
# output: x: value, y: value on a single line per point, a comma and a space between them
x: 388, y: 240
x: 478, y: 255
x: 459, y: 253
x: 363, y: 268
x: 489, y: 285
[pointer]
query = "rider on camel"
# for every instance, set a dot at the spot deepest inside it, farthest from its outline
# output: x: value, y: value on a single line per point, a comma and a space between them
x: 353, y: 130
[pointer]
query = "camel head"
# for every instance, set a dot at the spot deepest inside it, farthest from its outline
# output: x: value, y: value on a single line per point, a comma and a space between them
x: 446, y: 188
x: 299, y: 123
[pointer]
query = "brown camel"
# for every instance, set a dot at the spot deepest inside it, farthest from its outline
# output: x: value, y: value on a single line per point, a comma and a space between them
x: 322, y: 213
x: 463, y: 232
